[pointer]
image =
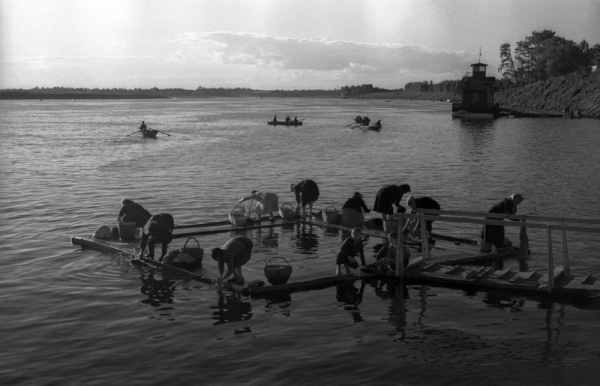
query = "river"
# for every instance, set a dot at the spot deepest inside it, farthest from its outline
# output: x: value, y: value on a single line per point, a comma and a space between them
x: 74, y: 317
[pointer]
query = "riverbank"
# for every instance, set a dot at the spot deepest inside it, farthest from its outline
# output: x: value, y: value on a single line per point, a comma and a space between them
x: 574, y: 91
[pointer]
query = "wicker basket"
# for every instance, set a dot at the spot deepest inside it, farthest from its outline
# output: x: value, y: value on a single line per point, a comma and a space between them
x: 332, y: 216
x: 286, y: 211
x: 196, y: 252
x: 237, y: 216
x: 278, y: 273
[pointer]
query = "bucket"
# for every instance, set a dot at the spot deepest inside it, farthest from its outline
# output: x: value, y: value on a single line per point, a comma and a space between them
x: 127, y: 230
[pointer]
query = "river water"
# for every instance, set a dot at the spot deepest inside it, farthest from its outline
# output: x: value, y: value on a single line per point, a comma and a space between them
x: 73, y: 317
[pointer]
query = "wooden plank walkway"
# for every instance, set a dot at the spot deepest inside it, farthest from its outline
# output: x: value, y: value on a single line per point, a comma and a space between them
x: 450, y: 262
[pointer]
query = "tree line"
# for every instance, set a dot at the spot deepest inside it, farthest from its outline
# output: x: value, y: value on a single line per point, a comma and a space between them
x: 424, y: 86
x: 545, y: 55
x: 362, y: 89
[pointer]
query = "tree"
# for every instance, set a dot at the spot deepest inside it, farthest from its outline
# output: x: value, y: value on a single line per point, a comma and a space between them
x: 507, y: 65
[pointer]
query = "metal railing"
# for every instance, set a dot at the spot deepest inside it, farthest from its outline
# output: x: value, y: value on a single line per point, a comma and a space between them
x: 424, y: 215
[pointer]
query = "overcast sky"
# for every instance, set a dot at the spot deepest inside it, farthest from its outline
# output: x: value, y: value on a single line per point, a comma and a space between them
x: 269, y: 44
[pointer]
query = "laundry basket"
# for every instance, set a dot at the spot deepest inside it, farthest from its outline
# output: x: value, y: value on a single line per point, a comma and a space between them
x: 332, y: 216
x: 237, y: 216
x: 277, y: 273
x: 286, y: 211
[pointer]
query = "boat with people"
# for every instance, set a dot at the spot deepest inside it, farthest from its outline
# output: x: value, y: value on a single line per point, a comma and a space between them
x: 149, y: 133
x: 443, y: 260
x: 364, y: 124
x: 289, y: 123
x: 476, y: 95
x: 371, y: 128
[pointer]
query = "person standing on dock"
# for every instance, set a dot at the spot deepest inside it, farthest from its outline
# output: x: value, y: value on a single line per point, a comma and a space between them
x: 307, y: 192
x: 388, y: 196
x: 494, y: 234
x: 267, y: 203
x: 234, y: 253
x: 351, y: 247
x: 133, y: 212
x: 416, y: 203
x: 159, y: 229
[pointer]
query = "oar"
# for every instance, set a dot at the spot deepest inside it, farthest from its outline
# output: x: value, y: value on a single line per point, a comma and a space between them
x: 162, y: 132
x: 137, y: 131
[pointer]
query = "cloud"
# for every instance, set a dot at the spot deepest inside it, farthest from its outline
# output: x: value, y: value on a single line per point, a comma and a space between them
x: 331, y: 55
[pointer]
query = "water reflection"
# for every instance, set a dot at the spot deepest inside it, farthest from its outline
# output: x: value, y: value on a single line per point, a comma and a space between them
x: 159, y: 291
x: 307, y: 241
x: 398, y: 294
x: 504, y: 301
x: 474, y: 136
x: 267, y: 237
x: 231, y: 307
x: 351, y: 297
x: 278, y: 303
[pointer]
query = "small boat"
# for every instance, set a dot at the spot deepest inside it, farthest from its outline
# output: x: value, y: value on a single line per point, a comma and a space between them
x: 371, y: 128
x: 149, y: 133
x: 290, y: 123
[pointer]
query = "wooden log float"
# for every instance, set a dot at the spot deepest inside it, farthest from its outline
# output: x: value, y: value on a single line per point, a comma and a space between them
x: 296, y: 282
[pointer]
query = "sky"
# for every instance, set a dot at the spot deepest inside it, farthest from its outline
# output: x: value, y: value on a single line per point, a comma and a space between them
x: 269, y: 44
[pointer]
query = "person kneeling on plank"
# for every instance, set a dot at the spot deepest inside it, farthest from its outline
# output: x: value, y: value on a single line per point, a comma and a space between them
x: 158, y: 229
x: 234, y: 253
x: 352, y: 246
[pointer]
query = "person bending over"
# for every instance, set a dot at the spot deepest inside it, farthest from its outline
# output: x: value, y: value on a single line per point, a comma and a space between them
x: 306, y: 192
x: 234, y: 254
x: 158, y: 229
x: 412, y: 227
x: 267, y: 203
x: 133, y: 212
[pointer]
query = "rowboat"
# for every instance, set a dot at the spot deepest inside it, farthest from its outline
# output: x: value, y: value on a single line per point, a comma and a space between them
x: 290, y: 123
x: 450, y: 261
x: 371, y: 128
x: 149, y: 133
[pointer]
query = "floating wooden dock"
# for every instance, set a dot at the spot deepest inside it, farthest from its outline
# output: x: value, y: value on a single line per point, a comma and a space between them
x: 450, y: 260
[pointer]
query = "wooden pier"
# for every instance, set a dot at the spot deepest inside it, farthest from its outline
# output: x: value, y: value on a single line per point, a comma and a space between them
x: 452, y: 261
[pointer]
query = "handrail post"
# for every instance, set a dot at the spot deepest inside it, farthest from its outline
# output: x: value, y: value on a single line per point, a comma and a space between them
x: 400, y: 248
x: 565, y: 252
x: 424, y: 238
x: 550, y: 260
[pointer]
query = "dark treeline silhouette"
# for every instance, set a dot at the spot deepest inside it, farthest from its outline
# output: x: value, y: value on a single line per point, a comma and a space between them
x: 424, y: 86
x: 154, y: 92
x: 360, y: 90
x: 544, y: 55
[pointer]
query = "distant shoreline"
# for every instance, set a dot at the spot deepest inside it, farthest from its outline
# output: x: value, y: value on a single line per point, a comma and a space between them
x: 26, y: 95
